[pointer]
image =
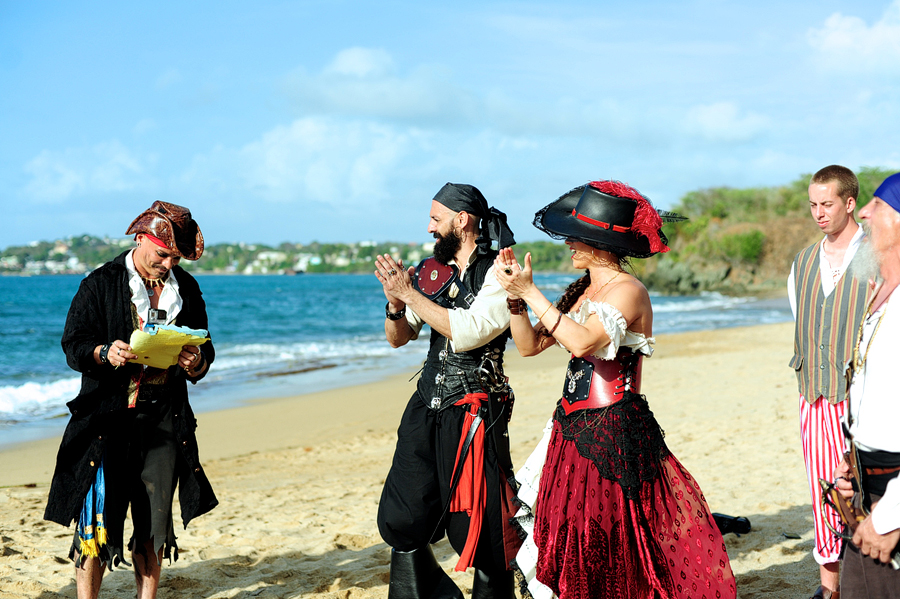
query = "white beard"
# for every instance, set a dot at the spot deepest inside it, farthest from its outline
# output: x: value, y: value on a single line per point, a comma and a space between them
x: 866, y: 265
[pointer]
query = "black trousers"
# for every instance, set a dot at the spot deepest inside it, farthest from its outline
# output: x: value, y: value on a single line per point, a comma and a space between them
x: 140, y: 472
x: 411, y: 511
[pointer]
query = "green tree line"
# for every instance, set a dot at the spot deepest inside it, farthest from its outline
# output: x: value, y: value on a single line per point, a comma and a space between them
x: 742, y: 240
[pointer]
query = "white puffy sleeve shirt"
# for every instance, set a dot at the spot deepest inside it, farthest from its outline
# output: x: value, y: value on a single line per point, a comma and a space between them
x: 875, y: 403
x: 484, y: 320
x: 616, y: 328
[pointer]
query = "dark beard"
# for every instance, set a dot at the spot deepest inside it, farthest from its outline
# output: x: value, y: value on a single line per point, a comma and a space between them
x: 446, y: 247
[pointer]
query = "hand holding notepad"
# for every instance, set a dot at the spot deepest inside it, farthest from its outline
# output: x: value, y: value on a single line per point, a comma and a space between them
x: 159, y: 345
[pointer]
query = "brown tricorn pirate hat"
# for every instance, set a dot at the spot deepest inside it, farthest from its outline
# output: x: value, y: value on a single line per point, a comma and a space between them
x: 173, y: 225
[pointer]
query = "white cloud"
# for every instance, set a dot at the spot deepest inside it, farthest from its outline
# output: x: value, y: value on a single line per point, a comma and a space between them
x: 105, y: 167
x: 361, y: 62
x: 362, y: 83
x: 326, y: 165
x: 328, y: 178
x: 848, y: 43
x: 316, y: 158
x: 52, y: 177
x: 723, y: 122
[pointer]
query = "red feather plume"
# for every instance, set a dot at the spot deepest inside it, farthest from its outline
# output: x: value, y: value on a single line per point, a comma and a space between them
x: 647, y: 221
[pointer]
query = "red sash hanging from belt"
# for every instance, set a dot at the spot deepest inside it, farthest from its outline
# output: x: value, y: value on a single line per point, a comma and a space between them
x: 469, y: 495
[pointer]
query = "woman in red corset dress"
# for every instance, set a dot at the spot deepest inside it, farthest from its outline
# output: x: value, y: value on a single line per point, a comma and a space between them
x: 614, y: 513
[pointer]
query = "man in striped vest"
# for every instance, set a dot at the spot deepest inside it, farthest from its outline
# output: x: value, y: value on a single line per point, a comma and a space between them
x: 828, y: 307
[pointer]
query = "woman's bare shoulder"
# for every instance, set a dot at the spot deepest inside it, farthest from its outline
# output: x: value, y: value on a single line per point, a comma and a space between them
x: 628, y: 289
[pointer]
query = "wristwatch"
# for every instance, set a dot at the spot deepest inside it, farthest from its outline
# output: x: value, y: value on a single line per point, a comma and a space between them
x: 394, y: 315
x: 104, y: 353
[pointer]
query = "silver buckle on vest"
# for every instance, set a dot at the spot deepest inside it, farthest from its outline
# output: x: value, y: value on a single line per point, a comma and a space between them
x: 435, y: 403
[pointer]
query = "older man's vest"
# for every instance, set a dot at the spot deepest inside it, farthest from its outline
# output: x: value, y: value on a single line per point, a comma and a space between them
x: 825, y: 328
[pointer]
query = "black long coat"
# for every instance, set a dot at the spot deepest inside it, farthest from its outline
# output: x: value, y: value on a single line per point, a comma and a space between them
x: 101, y: 313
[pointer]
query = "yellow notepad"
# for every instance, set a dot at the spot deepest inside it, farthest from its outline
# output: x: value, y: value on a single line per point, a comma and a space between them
x: 159, y: 345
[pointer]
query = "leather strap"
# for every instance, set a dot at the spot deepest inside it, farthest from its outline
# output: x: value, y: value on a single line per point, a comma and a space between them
x: 877, y: 471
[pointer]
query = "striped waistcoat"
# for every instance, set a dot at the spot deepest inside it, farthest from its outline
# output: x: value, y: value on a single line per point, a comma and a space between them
x: 825, y: 328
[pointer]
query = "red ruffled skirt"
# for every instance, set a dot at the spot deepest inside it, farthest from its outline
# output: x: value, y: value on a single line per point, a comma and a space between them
x: 594, y: 541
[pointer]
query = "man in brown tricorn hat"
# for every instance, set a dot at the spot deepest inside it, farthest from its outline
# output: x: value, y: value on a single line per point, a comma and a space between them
x: 131, y: 435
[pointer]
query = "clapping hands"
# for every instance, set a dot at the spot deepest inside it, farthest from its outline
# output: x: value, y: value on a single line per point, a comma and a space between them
x: 516, y: 280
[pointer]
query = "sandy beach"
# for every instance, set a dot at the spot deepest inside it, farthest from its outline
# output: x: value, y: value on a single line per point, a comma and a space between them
x: 298, y: 479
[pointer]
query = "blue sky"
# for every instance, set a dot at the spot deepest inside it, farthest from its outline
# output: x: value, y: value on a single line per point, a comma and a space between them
x: 339, y: 121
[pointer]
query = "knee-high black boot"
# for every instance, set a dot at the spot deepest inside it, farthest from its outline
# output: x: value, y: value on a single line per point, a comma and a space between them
x: 499, y: 585
x: 417, y: 575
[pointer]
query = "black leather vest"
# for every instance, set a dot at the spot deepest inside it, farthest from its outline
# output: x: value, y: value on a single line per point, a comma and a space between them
x: 447, y: 375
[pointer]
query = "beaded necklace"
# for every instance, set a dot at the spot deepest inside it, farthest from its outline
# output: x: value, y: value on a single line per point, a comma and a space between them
x: 860, y: 361
x: 150, y: 284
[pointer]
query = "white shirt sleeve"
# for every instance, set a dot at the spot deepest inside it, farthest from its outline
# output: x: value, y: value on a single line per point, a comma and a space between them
x: 614, y: 324
x: 485, y: 319
x: 415, y: 323
x: 886, y: 514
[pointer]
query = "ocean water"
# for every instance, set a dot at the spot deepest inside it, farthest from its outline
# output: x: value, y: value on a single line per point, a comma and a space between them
x: 275, y: 336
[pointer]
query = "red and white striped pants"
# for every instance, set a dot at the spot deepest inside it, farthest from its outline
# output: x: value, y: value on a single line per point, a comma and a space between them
x: 823, y: 448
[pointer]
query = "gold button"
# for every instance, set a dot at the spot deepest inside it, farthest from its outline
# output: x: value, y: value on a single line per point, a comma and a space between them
x: 92, y: 462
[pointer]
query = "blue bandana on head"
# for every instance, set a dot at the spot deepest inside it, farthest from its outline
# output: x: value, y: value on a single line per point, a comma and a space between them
x: 889, y: 191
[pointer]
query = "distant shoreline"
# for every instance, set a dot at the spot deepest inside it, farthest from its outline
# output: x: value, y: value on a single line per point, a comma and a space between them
x: 760, y: 294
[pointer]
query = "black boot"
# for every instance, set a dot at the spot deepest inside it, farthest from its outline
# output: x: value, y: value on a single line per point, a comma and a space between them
x: 499, y: 585
x: 417, y: 575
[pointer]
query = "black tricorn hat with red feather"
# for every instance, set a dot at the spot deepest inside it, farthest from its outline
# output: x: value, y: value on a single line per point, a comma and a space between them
x: 607, y: 215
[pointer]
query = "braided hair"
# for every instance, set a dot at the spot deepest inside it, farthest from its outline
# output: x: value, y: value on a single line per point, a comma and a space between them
x: 571, y: 294
x: 575, y: 290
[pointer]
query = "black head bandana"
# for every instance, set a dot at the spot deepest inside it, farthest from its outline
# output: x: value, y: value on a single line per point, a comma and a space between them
x: 459, y: 197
